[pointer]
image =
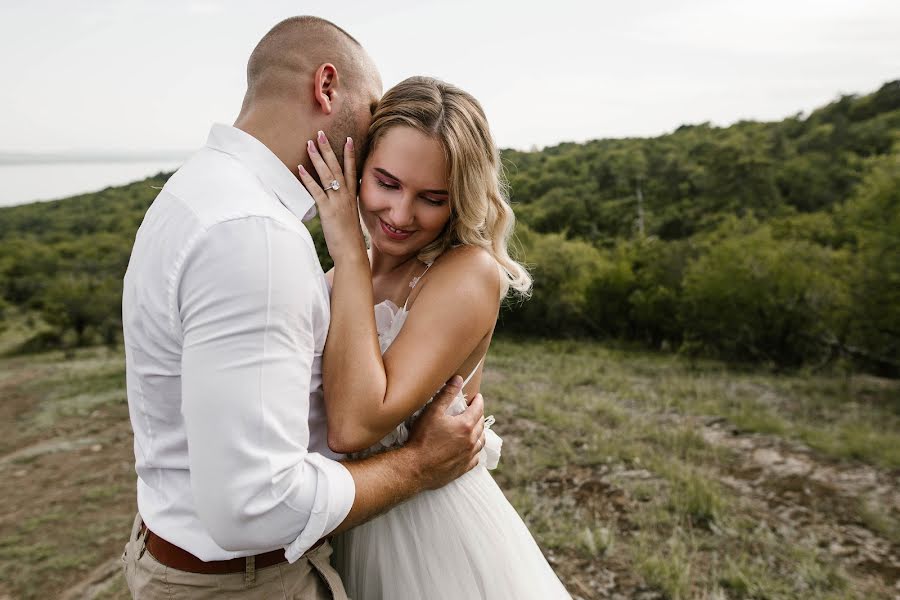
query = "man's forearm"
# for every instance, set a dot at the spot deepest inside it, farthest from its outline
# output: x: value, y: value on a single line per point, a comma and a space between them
x: 440, y: 448
x: 382, y: 481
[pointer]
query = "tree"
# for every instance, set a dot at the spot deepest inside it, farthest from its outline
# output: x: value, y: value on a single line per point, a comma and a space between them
x: 753, y: 297
x: 873, y: 217
x: 83, y: 304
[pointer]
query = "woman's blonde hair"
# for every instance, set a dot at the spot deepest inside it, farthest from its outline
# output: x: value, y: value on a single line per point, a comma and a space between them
x: 480, y: 213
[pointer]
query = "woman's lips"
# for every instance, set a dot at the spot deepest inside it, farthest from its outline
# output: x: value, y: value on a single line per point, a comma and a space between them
x: 393, y: 233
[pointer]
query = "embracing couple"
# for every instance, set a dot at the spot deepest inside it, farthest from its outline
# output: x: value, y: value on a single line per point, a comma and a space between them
x: 271, y: 462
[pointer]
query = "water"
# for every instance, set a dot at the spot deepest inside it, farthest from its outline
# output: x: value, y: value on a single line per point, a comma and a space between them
x: 20, y: 184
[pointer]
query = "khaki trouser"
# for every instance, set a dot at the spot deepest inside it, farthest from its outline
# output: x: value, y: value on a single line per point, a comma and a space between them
x: 310, y: 578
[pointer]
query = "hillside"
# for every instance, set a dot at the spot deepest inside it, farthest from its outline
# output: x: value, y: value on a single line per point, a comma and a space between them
x: 682, y: 471
x: 641, y: 475
x: 765, y: 242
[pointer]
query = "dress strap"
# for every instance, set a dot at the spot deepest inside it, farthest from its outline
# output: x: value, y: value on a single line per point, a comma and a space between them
x: 472, y: 374
x: 414, y: 281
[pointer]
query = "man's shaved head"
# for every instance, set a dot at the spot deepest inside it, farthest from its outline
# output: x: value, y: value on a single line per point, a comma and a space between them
x: 308, y: 75
x: 293, y: 49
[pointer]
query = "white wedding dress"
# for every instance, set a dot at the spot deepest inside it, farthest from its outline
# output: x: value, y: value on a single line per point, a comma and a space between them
x: 463, y: 541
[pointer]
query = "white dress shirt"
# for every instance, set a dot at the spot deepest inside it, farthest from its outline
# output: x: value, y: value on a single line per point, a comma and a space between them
x: 225, y: 310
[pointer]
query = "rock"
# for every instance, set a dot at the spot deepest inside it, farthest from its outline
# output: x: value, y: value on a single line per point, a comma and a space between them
x: 766, y: 456
x: 636, y: 474
x: 837, y: 550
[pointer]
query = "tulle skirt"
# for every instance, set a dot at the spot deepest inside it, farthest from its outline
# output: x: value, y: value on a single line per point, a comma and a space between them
x: 464, y: 541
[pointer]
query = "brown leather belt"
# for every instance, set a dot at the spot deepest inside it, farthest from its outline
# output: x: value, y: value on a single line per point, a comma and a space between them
x: 174, y: 557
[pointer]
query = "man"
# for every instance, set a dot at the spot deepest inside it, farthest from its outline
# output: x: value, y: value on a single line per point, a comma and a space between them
x: 225, y: 312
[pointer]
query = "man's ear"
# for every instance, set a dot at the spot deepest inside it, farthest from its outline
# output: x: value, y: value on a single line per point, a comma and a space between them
x: 325, y: 84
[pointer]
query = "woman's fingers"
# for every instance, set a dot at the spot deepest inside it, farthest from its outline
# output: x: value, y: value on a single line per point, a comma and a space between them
x: 350, y: 167
x: 330, y: 160
x: 315, y: 190
x: 329, y: 169
x: 325, y: 175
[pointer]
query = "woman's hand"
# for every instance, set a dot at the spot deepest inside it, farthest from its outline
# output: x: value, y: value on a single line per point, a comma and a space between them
x: 337, y: 203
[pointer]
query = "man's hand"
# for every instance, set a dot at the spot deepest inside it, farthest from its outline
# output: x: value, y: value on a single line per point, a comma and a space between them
x: 447, y: 446
x: 441, y: 447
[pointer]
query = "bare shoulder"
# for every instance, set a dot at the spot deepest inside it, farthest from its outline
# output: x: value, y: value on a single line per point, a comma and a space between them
x: 470, y: 269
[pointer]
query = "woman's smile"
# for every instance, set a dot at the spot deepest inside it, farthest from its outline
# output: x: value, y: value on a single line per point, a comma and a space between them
x: 393, y: 232
x: 403, y: 197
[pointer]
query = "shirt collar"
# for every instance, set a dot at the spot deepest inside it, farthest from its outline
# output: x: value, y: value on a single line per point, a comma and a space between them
x: 267, y: 167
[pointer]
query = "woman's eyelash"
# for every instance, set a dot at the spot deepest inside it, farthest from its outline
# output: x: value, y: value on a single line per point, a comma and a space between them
x: 386, y: 185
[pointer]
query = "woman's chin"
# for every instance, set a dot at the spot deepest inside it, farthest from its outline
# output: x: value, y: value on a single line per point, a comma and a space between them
x: 396, y: 248
x: 393, y: 248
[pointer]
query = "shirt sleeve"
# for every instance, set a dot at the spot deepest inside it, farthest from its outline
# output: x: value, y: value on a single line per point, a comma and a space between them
x: 246, y: 299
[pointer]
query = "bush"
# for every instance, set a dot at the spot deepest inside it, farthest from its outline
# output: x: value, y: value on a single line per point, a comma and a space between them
x: 562, y: 271
x: 755, y: 297
x: 873, y: 219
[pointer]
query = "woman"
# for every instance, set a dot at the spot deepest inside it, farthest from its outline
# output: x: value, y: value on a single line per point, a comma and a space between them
x: 431, y: 199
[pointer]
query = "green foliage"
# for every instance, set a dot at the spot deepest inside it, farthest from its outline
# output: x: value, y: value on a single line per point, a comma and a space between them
x: 773, y: 242
x: 609, y: 291
x: 66, y: 260
x: 562, y: 272
x: 83, y: 305
x: 693, y: 177
x: 872, y: 218
x: 755, y: 297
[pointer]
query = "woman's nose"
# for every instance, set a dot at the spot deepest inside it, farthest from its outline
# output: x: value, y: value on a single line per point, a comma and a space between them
x: 402, y: 212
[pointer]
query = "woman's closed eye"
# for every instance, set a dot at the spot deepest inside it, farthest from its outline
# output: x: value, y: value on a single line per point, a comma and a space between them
x: 386, y: 185
x: 396, y: 186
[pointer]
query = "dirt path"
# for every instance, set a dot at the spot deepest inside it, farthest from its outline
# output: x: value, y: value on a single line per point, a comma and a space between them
x: 76, y: 478
x: 14, y: 404
x: 795, y: 492
x: 600, y: 497
x: 99, y: 582
x: 67, y: 505
x: 799, y: 494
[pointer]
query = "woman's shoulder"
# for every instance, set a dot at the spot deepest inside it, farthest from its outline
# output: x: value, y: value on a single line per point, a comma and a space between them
x: 462, y: 283
x: 469, y: 265
x: 471, y: 259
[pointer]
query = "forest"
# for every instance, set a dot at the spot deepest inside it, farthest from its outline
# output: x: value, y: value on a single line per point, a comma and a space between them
x: 773, y: 243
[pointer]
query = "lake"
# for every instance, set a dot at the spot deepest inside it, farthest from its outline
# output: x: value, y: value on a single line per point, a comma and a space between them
x: 23, y: 183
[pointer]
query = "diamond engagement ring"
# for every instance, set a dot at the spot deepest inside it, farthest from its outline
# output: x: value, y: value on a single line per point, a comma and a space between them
x: 334, y: 185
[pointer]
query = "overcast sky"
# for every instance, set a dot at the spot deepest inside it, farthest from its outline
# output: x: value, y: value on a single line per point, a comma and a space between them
x: 146, y: 75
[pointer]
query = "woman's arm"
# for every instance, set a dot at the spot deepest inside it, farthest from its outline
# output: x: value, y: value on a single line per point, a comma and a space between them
x: 367, y: 396
x: 456, y: 309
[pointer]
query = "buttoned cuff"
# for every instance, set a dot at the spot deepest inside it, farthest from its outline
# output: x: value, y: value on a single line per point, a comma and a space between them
x: 335, y: 492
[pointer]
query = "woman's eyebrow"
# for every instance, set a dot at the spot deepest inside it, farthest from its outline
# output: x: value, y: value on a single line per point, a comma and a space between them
x: 387, y: 173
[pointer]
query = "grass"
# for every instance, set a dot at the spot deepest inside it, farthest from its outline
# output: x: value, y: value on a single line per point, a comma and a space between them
x: 67, y: 500
x: 667, y: 567
x: 692, y: 495
x: 686, y: 533
x: 605, y: 457
x: 878, y: 518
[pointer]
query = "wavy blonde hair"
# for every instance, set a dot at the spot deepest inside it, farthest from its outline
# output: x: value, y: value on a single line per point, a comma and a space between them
x: 480, y: 214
